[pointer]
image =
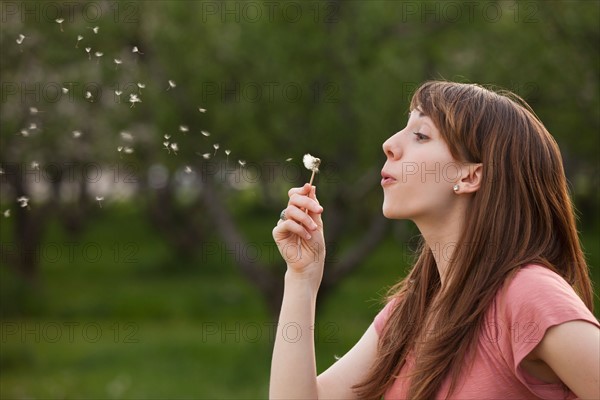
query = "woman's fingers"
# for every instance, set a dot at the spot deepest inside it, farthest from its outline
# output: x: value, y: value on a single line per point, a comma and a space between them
x: 301, y: 217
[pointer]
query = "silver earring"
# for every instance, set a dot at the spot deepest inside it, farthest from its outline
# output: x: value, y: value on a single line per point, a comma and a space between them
x: 455, y: 188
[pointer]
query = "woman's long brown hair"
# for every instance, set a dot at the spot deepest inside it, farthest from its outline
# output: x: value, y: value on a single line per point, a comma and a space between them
x: 521, y: 214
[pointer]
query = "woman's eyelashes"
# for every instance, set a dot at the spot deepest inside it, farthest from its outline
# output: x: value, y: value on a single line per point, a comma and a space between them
x: 420, y: 137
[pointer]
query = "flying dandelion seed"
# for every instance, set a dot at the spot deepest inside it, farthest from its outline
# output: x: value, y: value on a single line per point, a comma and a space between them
x: 205, y: 133
x: 166, y: 144
x: 133, y: 98
x: 76, y: 134
x: 119, y: 149
x: 128, y: 150
x: 88, y: 50
x: 99, y: 199
x: 34, y: 110
x: 128, y: 137
x: 1, y: 171
x: 174, y: 147
x: 23, y: 201
x: 136, y: 50
x: 167, y: 137
x: 88, y: 96
x: 59, y: 21
x: 24, y: 133
x: 184, y: 128
x: 141, y: 86
x: 117, y: 62
x: 202, y: 110
x: 216, y: 147
x: 188, y: 169
x: 227, y: 152
x: 118, y: 93
x: 32, y: 126
x: 79, y: 39
x: 98, y: 54
x: 206, y: 156
x: 172, y: 84
x: 289, y: 159
x: 6, y: 213
x: 65, y: 90
x: 35, y: 165
x: 96, y: 29
x: 242, y: 163
x: 20, y: 38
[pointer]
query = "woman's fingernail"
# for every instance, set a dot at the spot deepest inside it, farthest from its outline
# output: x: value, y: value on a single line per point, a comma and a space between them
x: 308, y: 236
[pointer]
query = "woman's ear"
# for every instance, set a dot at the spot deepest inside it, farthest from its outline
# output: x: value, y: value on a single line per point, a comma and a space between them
x: 472, y: 176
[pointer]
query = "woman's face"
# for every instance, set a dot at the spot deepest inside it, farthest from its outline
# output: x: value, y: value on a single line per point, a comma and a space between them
x: 419, y: 173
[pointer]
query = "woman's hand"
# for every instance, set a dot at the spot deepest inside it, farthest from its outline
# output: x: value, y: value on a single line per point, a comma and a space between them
x: 300, y: 237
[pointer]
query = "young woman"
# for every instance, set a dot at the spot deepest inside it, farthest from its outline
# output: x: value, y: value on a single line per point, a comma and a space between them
x: 498, y: 303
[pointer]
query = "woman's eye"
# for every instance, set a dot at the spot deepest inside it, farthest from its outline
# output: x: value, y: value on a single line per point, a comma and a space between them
x: 420, y: 136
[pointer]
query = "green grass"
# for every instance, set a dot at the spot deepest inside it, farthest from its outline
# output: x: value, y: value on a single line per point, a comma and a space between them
x: 138, y: 322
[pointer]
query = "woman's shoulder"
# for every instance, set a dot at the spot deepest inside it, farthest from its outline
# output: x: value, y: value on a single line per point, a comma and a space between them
x: 534, y: 292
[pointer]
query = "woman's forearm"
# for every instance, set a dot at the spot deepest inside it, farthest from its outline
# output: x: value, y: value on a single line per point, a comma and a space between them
x: 293, y: 366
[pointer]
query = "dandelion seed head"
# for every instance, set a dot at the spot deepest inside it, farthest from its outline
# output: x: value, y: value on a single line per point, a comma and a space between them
x: 311, y: 163
x: 205, y: 133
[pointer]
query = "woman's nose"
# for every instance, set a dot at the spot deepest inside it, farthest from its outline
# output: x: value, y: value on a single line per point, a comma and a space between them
x: 391, y: 147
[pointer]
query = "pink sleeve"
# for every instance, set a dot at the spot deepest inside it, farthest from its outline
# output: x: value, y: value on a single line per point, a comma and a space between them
x: 381, y: 318
x: 535, y: 300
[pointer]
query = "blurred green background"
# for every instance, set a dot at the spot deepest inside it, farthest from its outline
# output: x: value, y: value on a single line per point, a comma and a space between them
x: 141, y: 264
